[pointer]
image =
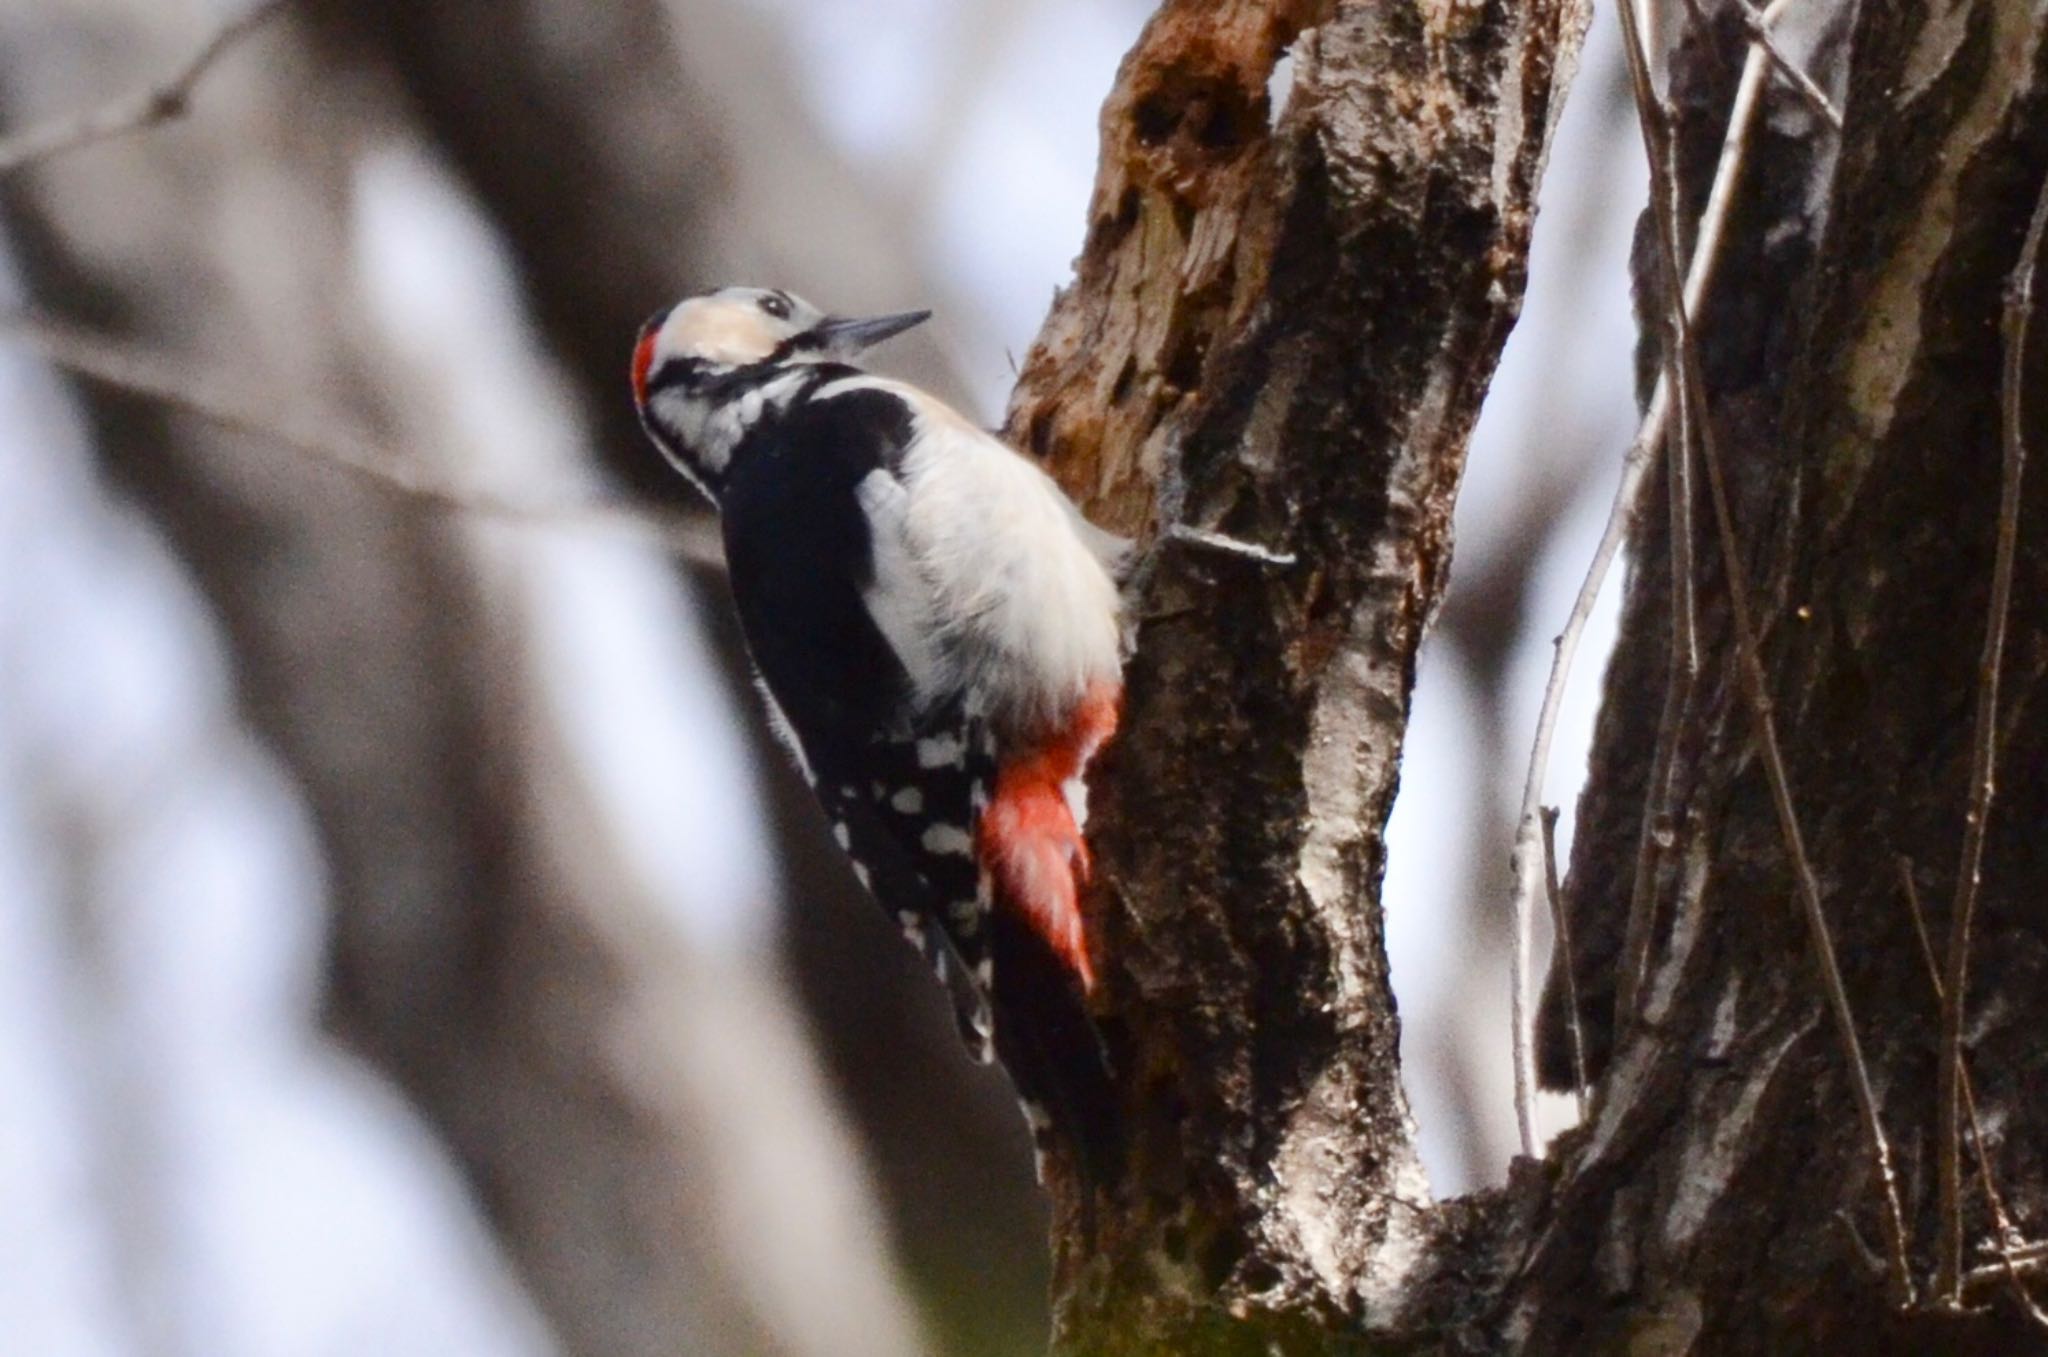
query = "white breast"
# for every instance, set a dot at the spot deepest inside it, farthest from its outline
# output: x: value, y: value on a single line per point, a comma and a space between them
x: 1020, y: 588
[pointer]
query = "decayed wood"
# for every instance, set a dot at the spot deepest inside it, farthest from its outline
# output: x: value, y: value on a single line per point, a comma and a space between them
x: 1281, y: 328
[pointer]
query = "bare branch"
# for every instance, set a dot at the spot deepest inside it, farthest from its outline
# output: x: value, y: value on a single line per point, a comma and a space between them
x: 1635, y: 467
x: 1691, y: 390
x: 1526, y: 864
x: 1655, y: 834
x: 2011, y: 1259
x: 1222, y: 545
x: 160, y: 103
x: 1759, y: 24
x: 2011, y: 1263
x: 2019, y: 305
x: 117, y: 365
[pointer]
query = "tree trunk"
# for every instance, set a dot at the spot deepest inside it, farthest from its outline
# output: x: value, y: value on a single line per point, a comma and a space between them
x: 1281, y: 329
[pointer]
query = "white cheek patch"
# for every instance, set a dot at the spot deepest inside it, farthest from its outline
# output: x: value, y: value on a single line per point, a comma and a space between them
x: 688, y: 421
x: 710, y: 432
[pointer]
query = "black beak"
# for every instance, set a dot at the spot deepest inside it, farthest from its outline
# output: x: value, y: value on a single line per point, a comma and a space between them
x: 851, y: 336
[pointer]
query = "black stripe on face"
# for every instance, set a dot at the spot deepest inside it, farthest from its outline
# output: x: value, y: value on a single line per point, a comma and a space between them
x: 670, y: 373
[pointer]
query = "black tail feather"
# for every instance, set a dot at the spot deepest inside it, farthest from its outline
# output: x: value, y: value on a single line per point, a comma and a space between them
x: 1053, y: 1051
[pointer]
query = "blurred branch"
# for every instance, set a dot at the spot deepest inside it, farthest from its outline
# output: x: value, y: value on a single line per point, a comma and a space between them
x: 129, y: 369
x: 164, y: 102
x: 499, y: 946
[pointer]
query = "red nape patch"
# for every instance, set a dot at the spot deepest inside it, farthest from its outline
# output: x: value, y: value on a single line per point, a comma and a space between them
x: 1028, y: 838
x: 643, y: 362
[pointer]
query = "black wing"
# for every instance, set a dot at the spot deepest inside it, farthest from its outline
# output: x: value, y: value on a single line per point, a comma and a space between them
x: 902, y: 787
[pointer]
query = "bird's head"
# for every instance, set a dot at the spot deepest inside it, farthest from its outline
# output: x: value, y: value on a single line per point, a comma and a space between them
x: 706, y: 367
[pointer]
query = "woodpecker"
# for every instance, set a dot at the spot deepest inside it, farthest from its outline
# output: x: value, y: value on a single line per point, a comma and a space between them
x: 937, y: 635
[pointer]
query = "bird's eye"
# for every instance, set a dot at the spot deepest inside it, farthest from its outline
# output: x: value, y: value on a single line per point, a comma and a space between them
x: 775, y: 306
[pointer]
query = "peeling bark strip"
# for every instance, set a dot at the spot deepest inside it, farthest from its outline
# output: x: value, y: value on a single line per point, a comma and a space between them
x: 1281, y: 328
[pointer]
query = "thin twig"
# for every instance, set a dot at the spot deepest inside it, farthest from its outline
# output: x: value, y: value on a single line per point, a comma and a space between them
x: 131, y: 370
x: 1635, y: 468
x: 1654, y: 835
x: 1758, y: 693
x: 1222, y: 544
x: 2019, y: 305
x: 1692, y: 390
x: 1566, y: 960
x: 2007, y: 1231
x: 2021, y: 1258
x: 1759, y: 26
x: 1526, y: 864
x: 1919, y: 916
x: 160, y: 103
x: 2007, y: 1247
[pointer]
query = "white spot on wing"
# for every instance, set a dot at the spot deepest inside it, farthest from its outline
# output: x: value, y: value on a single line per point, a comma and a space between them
x: 941, y: 751
x: 908, y: 800
x: 947, y: 840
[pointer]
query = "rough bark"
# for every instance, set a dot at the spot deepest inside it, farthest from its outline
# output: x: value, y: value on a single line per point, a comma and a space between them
x: 1283, y: 335
x: 1853, y: 356
x: 1281, y: 329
